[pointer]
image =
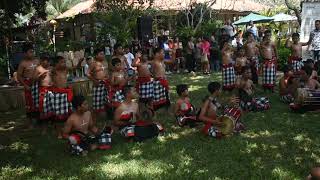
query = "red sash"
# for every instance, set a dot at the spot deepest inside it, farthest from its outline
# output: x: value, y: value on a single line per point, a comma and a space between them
x: 294, y: 58
x: 225, y: 66
x: 164, y: 82
x: 67, y: 90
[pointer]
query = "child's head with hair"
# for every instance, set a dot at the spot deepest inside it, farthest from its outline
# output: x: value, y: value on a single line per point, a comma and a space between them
x: 116, y: 63
x: 27, y: 49
x: 287, y: 70
x: 129, y: 92
x: 241, y: 52
x: 79, y: 103
x: 45, y: 61
x: 246, y: 72
x: 295, y: 37
x: 146, y: 110
x: 99, y: 53
x: 182, y: 90
x: 59, y: 62
x: 214, y: 88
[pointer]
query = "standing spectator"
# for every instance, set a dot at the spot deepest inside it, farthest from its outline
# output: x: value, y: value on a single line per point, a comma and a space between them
x: 190, y: 63
x: 214, y: 56
x: 129, y: 56
x: 197, y: 52
x: 180, y: 63
x: 205, y: 55
x: 314, y: 41
x: 135, y: 46
x: 229, y: 29
x: 237, y: 41
x: 253, y: 29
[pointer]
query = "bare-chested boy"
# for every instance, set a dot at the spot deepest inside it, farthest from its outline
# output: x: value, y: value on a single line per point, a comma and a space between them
x: 129, y: 121
x: 209, y: 113
x: 62, y: 94
x: 144, y: 82
x: 246, y: 92
x: 98, y: 73
x: 295, y: 59
x: 311, y: 82
x: 269, y: 55
x: 80, y: 127
x: 25, y: 73
x: 161, y: 84
x: 228, y: 72
x: 119, y: 53
x: 241, y: 61
x: 252, y: 53
x: 118, y: 80
x: 287, y: 86
x: 43, y: 76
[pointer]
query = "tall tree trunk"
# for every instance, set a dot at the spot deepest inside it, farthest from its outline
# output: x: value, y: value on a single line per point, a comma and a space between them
x: 296, y: 11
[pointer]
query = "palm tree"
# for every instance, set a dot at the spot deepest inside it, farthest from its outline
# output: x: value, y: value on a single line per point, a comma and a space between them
x: 56, y: 7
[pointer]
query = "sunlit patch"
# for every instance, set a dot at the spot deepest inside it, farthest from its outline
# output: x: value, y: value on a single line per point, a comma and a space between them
x: 9, y: 172
x: 302, y: 138
x: 298, y: 160
x: 136, y: 152
x: 251, y: 147
x: 315, y: 157
x: 19, y: 146
x: 133, y: 168
x: 282, y: 173
x: 195, y: 88
x: 252, y: 135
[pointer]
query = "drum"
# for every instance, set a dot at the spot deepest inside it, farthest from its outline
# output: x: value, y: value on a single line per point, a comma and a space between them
x: 306, y: 97
x: 228, y: 125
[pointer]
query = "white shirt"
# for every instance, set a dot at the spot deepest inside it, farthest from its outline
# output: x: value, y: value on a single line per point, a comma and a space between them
x: 130, y: 58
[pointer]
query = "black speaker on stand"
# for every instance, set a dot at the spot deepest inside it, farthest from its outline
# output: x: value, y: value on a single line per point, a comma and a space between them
x: 144, y: 24
x: 145, y: 28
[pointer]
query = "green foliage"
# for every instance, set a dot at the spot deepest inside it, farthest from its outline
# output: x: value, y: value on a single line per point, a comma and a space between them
x: 284, y: 53
x: 56, y: 7
x: 207, y: 28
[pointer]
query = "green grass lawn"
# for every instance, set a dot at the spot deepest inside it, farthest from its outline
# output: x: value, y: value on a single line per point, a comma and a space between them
x: 278, y: 144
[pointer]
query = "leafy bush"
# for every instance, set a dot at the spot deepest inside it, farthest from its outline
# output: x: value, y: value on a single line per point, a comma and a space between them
x: 284, y: 53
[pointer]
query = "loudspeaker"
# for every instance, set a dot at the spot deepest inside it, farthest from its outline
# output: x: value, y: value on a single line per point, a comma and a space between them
x: 145, y: 28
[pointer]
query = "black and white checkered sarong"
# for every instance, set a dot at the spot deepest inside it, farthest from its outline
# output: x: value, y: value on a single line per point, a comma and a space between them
x: 269, y: 74
x: 100, y: 97
x: 47, y: 109
x: 146, y: 90
x: 35, y: 94
x: 228, y: 76
x: 160, y: 93
x: 62, y: 107
x: 117, y: 97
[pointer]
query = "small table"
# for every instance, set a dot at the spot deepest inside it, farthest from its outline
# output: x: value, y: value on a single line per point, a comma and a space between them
x: 12, y: 97
x: 81, y: 86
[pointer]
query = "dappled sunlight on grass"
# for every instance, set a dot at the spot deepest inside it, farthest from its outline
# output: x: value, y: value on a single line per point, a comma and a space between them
x: 132, y: 167
x: 9, y: 172
x: 277, y: 144
x: 282, y: 173
x: 260, y: 134
x: 19, y: 147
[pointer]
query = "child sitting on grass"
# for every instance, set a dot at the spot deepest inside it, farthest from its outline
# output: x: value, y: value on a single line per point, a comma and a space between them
x: 185, y: 112
x: 209, y: 113
x: 286, y: 88
x: 246, y: 92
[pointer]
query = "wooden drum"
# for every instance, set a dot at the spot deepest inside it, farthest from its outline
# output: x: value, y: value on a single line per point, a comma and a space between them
x: 306, y: 96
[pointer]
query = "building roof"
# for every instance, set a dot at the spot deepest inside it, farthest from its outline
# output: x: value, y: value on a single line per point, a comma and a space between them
x: 232, y: 5
x: 87, y: 6
x: 84, y: 7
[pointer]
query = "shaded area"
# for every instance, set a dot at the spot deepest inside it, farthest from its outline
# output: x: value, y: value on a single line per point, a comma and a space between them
x: 277, y: 145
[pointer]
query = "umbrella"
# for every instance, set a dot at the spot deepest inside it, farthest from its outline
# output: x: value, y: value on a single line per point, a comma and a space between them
x: 284, y: 17
x: 253, y: 17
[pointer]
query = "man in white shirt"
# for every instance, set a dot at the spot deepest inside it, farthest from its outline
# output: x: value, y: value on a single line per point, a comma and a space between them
x: 129, y: 56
